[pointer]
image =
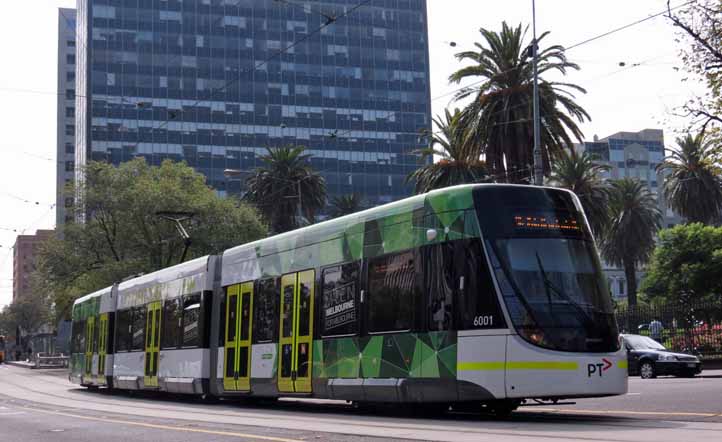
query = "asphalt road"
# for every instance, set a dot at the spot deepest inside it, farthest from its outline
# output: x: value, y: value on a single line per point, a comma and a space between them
x: 43, y: 406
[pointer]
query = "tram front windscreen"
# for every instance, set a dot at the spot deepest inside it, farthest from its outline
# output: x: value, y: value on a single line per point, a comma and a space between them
x: 547, y: 268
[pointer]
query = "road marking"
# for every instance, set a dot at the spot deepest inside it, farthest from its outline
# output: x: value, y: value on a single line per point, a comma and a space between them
x: 640, y: 413
x: 12, y: 413
x: 166, y: 427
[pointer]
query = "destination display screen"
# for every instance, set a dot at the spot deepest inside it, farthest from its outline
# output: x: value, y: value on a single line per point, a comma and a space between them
x: 547, y: 223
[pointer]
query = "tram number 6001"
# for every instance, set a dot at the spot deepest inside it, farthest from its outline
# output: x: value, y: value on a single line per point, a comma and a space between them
x: 483, y: 321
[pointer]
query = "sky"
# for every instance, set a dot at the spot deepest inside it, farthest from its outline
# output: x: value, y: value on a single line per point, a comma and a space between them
x: 640, y: 95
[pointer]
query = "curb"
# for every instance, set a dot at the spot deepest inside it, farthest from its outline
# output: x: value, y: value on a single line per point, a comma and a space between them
x: 20, y: 364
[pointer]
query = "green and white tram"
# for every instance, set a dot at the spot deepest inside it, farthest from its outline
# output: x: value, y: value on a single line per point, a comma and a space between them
x: 483, y: 294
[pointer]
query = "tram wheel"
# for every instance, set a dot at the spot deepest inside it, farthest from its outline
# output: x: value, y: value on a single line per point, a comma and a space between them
x: 501, y: 408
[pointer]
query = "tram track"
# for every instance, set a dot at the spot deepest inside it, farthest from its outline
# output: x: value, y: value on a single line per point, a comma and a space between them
x: 334, y: 418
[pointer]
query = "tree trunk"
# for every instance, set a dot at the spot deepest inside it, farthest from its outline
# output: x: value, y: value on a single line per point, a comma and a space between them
x: 630, y: 274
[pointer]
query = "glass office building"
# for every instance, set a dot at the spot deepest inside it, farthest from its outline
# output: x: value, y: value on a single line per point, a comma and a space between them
x: 65, y: 165
x: 215, y: 82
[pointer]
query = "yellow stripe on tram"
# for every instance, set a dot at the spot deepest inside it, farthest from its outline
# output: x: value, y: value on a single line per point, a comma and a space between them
x: 517, y: 365
x: 479, y: 366
x: 622, y: 364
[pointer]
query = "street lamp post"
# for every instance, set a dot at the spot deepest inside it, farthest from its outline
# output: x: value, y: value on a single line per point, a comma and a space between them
x: 538, y: 167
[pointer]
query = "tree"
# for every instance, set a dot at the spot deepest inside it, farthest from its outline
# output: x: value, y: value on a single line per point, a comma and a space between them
x: 122, y: 234
x: 460, y: 162
x: 345, y: 205
x: 693, y: 186
x: 635, y: 218
x: 686, y: 265
x: 274, y: 188
x: 499, y: 118
x: 582, y: 176
x: 699, y: 22
x: 29, y: 312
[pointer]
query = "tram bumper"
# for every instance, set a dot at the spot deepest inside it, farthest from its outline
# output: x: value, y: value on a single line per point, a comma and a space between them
x: 533, y: 372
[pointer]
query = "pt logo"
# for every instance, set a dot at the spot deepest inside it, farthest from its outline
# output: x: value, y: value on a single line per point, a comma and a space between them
x: 599, y: 368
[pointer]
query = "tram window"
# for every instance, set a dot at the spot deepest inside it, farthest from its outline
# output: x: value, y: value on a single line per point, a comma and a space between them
x: 265, y: 304
x: 439, y: 282
x: 138, y: 329
x: 205, y: 324
x: 340, y: 303
x: 191, y: 320
x: 479, y: 305
x: 222, y: 322
x: 392, y: 289
x: 171, y: 319
x: 78, y: 333
x: 123, y: 327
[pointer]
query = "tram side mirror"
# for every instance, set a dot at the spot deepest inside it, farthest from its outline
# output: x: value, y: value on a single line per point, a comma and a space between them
x: 431, y: 234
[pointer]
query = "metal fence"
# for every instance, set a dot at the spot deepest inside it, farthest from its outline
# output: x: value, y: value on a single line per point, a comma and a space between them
x: 692, y: 328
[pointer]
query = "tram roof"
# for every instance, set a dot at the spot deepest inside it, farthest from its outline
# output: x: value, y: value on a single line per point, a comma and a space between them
x: 96, y: 294
x: 339, y: 234
x: 178, y: 271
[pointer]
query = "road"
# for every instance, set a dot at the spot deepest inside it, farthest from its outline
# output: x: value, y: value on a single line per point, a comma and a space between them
x: 44, y: 406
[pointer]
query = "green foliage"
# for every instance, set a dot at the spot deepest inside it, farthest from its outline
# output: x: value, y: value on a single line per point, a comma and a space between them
x: 499, y: 118
x: 29, y: 312
x: 460, y: 162
x: 582, y: 176
x: 345, y: 205
x: 686, y: 265
x: 693, y: 186
x: 698, y: 23
x: 122, y: 234
x: 628, y: 240
x: 274, y: 187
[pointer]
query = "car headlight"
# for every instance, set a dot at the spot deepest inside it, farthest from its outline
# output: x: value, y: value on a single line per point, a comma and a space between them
x: 667, y: 358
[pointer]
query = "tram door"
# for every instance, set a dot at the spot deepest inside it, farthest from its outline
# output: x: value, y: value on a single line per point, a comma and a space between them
x: 152, y: 343
x: 89, y: 329
x: 102, y: 346
x: 237, y: 360
x: 296, y: 337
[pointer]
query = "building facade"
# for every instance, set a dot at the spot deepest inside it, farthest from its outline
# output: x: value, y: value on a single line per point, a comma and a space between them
x: 65, y: 166
x: 24, y: 255
x: 215, y: 82
x: 633, y: 155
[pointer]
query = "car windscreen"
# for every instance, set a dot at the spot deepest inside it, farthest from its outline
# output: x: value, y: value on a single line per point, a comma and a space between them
x: 638, y: 342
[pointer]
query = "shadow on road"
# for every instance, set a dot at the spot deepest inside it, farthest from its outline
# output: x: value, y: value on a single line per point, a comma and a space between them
x: 525, y: 415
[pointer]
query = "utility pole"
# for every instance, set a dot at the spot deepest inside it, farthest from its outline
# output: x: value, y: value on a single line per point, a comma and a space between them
x: 538, y: 161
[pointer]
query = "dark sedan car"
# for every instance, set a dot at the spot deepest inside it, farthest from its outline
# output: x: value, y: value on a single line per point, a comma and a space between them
x: 648, y: 359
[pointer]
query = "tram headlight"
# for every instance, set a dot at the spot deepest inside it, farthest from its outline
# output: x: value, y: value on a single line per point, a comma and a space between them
x: 533, y: 335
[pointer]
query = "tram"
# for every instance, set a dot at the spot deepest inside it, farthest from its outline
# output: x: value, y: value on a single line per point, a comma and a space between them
x: 470, y: 295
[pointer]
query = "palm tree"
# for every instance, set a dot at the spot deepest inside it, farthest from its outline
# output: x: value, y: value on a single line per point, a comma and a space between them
x: 460, y: 162
x: 499, y: 118
x: 274, y: 188
x: 692, y: 185
x: 345, y: 205
x: 635, y: 219
x: 582, y: 176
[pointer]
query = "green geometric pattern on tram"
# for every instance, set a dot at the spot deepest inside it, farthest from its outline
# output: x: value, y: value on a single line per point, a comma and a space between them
x: 404, y: 355
x: 371, y: 357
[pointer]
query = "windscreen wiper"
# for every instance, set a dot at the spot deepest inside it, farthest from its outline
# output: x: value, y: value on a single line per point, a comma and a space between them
x: 549, y: 285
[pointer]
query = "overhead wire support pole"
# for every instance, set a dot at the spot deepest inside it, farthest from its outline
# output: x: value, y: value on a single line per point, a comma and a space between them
x: 538, y: 167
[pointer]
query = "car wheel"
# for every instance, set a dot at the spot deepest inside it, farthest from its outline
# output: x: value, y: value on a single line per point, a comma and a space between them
x: 646, y: 370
